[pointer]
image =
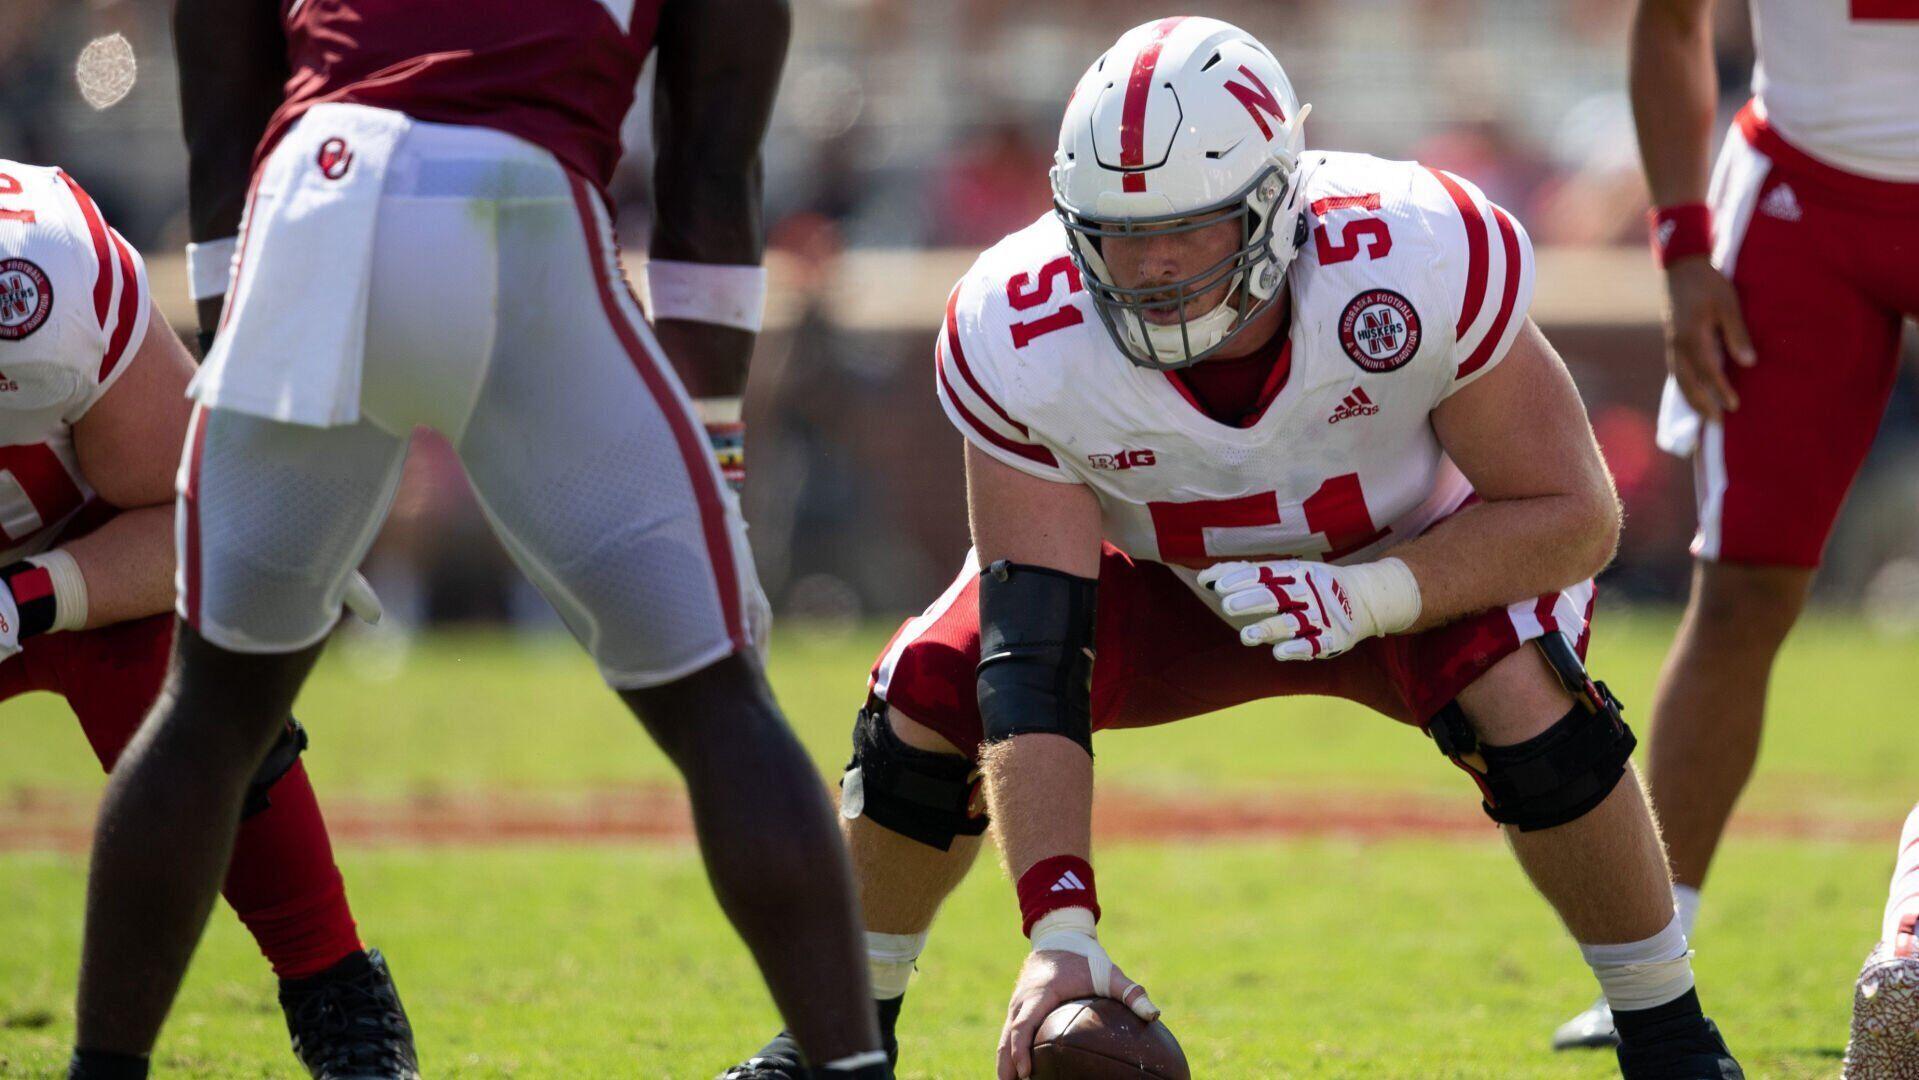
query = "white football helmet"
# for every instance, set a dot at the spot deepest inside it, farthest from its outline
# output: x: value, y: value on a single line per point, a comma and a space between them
x: 1185, y: 122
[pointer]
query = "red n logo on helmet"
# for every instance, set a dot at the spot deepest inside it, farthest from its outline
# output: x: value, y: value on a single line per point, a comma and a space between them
x: 1259, y: 101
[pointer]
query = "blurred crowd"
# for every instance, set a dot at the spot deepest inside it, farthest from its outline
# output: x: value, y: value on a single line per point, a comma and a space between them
x: 930, y: 125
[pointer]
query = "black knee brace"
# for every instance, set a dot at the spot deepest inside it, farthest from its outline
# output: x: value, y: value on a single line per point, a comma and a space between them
x: 280, y: 759
x: 919, y: 794
x: 1558, y: 775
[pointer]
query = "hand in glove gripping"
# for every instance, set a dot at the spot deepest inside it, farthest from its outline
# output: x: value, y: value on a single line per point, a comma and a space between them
x: 1317, y: 610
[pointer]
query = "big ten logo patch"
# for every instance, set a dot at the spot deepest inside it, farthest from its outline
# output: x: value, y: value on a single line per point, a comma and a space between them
x: 1379, y: 330
x: 1125, y: 459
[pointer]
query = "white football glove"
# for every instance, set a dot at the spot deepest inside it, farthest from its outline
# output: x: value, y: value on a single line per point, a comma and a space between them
x: 1318, y: 610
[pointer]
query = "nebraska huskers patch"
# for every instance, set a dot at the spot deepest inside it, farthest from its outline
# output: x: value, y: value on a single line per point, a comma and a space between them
x: 26, y: 296
x: 1379, y: 330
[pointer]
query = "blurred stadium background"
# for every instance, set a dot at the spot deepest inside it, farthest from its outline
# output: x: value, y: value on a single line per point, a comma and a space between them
x: 910, y: 135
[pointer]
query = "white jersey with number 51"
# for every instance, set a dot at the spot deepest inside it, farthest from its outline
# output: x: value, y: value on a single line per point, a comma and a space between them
x: 1409, y: 286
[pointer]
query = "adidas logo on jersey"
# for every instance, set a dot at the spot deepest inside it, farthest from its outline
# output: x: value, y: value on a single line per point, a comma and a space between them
x: 1068, y: 882
x: 1356, y: 404
x: 1781, y: 203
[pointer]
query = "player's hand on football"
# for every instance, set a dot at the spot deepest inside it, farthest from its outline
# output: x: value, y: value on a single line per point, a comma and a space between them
x: 1315, y: 611
x: 1067, y: 963
x: 1703, y: 326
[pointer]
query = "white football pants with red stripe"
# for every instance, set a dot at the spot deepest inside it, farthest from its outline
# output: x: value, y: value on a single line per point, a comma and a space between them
x: 494, y: 312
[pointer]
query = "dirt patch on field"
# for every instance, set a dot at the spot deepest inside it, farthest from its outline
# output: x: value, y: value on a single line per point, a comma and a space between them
x: 38, y: 820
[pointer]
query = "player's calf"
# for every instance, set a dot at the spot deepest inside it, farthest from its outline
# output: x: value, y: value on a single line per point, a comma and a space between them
x: 911, y: 816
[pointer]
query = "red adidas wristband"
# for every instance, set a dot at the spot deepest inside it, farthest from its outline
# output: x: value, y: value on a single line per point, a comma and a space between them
x: 1680, y: 231
x: 1061, y: 881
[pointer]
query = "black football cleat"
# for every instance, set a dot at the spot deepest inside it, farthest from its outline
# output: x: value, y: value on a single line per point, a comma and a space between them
x: 1688, y: 1048
x: 777, y: 1060
x: 347, y: 1022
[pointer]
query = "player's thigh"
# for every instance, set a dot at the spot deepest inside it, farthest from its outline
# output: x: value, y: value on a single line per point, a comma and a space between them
x: 588, y: 461
x: 1772, y: 475
x: 273, y: 519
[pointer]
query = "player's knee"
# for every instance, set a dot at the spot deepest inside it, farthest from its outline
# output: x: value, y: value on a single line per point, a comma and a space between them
x: 1750, y: 605
x: 1560, y: 767
x: 908, y: 779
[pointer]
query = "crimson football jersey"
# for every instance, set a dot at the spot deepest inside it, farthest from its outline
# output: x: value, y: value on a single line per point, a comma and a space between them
x: 73, y: 311
x: 558, y: 73
x: 1410, y: 286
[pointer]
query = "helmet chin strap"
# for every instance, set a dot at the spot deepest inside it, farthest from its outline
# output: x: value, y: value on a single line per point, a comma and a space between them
x: 1176, y: 342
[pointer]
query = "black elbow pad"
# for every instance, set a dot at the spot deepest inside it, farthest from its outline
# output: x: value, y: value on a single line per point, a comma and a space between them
x: 1036, y: 653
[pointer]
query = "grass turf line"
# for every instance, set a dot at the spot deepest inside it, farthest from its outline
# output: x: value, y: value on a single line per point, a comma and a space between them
x: 1299, y: 959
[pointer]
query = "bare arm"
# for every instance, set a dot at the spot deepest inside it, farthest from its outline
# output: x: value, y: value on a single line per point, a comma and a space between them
x: 1549, y: 515
x: 1039, y: 788
x: 233, y: 73
x: 1039, y: 785
x: 1675, y: 91
x: 719, y: 68
x: 128, y: 445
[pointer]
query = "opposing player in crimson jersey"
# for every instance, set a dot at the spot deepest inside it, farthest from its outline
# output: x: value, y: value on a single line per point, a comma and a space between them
x: 1790, y: 265
x: 92, y: 415
x: 1245, y: 421
x: 426, y: 239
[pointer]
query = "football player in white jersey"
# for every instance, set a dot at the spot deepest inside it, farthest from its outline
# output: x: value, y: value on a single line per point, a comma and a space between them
x: 1246, y: 421
x: 1788, y: 277
x: 93, y: 412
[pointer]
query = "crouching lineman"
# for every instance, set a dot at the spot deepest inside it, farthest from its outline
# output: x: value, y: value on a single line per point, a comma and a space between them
x: 1250, y: 422
x: 93, y: 412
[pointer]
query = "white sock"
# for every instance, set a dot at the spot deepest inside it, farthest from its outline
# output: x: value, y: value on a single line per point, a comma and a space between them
x: 1642, y: 974
x: 1903, y: 897
x: 1686, y: 899
x: 889, y: 961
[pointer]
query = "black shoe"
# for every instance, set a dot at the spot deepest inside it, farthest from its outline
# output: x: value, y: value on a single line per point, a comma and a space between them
x: 347, y: 1022
x: 1688, y: 1048
x: 781, y: 1059
x: 777, y: 1060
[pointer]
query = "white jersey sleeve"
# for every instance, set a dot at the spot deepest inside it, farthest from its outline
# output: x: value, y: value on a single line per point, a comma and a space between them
x: 74, y: 304
x: 978, y: 374
x: 1482, y: 263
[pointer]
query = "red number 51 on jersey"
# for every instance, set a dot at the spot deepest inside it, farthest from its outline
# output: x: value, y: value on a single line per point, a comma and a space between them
x: 1336, y: 524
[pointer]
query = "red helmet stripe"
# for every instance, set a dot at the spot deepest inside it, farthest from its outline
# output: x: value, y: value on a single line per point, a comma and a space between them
x: 1132, y: 119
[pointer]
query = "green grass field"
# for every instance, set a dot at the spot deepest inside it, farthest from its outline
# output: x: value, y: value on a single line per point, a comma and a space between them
x: 1318, y: 957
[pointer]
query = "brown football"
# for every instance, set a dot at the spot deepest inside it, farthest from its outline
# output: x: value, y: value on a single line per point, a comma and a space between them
x: 1101, y: 1039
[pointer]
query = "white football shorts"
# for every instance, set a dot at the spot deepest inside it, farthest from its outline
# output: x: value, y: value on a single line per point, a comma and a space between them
x: 483, y: 298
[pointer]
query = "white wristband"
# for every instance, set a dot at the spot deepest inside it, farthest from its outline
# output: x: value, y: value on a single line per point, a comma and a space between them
x: 1389, y: 590
x: 702, y: 292
x: 718, y: 410
x: 210, y: 267
x: 69, y: 588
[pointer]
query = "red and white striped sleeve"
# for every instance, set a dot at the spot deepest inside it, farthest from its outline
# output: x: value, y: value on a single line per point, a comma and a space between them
x: 116, y: 287
x: 1485, y: 266
x: 975, y: 395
